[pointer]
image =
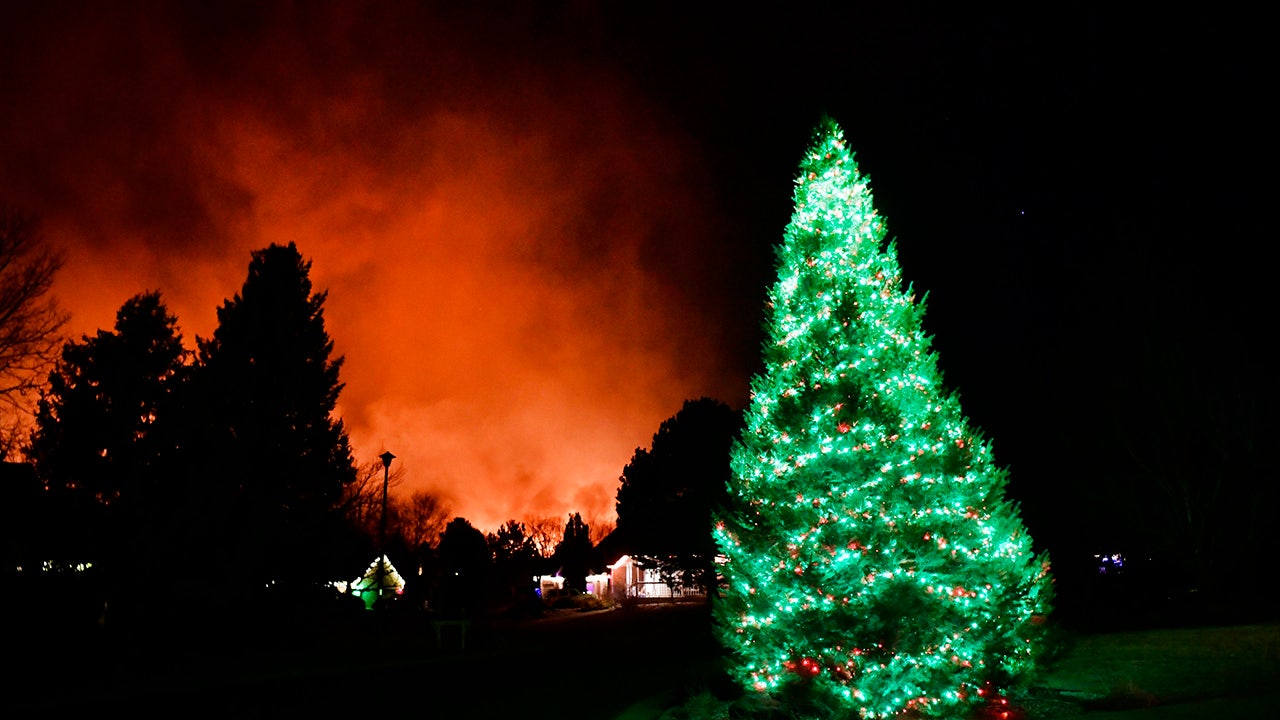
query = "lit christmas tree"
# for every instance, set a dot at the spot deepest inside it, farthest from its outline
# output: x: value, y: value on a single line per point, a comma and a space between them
x: 875, y: 567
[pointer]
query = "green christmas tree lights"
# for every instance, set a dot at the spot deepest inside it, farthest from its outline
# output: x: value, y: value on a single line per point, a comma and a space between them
x: 874, y: 565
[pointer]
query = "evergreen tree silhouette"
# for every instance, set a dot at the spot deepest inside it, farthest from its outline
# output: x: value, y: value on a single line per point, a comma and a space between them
x: 105, y: 441
x: 273, y: 457
x: 575, y: 555
x: 667, y: 492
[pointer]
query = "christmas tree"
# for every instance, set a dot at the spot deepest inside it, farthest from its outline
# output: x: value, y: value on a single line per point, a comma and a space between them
x: 874, y: 567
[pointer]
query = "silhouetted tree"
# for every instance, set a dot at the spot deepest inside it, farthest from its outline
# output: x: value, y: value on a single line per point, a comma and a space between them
x: 100, y: 426
x: 30, y: 321
x: 274, y: 458
x: 668, y: 492
x: 362, y: 498
x: 515, y: 560
x: 414, y: 522
x: 22, y: 516
x: 361, y: 512
x: 575, y: 554
x: 105, y: 437
x: 414, y: 525
x: 545, y: 532
x: 420, y: 518
x: 463, y: 565
x: 1194, y: 500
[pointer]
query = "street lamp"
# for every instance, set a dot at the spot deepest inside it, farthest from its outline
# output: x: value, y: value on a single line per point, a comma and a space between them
x: 386, y: 458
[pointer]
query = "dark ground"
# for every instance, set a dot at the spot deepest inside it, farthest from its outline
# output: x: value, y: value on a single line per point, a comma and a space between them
x: 626, y: 664
x: 568, y: 664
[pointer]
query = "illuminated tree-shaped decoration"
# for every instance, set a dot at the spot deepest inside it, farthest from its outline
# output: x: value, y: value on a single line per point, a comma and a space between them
x: 874, y: 565
x: 367, y: 588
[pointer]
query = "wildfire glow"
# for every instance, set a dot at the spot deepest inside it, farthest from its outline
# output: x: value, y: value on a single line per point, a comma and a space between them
x: 504, y: 239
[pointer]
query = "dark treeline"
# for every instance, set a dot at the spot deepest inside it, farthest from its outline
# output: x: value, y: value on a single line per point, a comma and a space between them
x: 163, y: 484
x: 168, y: 477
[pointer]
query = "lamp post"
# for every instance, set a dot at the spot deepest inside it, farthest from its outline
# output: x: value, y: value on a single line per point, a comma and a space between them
x: 386, y: 458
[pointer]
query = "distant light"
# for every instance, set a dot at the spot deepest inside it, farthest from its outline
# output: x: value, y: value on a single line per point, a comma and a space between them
x: 1110, y: 563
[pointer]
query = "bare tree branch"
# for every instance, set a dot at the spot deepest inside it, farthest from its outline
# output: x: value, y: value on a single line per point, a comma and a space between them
x: 422, y: 517
x: 362, y: 499
x: 30, y: 321
x: 546, y: 533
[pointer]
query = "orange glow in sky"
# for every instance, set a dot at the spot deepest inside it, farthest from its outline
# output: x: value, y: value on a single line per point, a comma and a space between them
x: 543, y: 226
x: 506, y: 238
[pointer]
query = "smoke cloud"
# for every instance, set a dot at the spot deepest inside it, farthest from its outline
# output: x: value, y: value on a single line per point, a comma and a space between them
x: 515, y: 239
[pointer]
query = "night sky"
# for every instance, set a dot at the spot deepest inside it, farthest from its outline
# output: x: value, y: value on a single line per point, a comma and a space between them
x: 543, y: 226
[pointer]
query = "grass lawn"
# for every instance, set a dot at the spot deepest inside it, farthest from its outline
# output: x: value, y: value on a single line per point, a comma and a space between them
x: 1210, y: 673
x: 1167, y: 674
x: 1206, y: 672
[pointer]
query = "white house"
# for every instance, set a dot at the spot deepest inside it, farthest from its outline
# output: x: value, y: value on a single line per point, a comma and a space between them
x: 550, y: 587
x: 632, y: 581
x: 600, y: 585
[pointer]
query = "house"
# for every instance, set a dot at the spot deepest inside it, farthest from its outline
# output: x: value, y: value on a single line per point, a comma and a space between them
x: 600, y: 585
x: 630, y: 580
x: 551, y: 587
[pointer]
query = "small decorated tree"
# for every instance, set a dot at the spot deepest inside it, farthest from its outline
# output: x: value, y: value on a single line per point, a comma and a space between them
x: 874, y: 567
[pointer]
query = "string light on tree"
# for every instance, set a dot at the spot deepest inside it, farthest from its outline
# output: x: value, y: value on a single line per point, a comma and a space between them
x: 874, y: 562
